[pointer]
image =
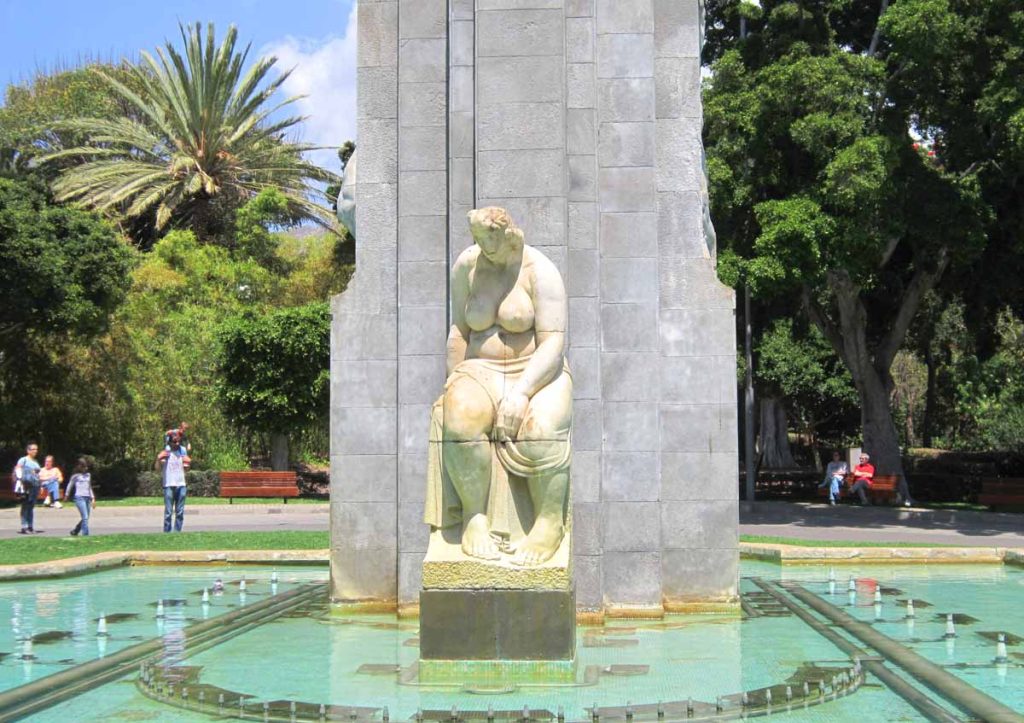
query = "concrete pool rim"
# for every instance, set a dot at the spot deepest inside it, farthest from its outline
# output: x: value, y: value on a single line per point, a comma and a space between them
x: 768, y: 552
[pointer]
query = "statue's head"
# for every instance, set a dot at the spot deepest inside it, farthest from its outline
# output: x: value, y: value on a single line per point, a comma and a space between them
x: 495, y: 233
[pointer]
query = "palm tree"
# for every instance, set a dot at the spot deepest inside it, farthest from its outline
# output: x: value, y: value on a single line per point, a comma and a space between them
x: 201, y: 143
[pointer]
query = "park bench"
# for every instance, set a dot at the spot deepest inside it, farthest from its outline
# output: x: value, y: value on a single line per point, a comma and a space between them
x: 1002, y: 492
x: 258, y: 484
x: 7, y: 494
x: 883, y: 488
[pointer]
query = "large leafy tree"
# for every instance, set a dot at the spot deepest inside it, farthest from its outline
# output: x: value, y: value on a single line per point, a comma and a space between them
x: 819, y: 192
x: 63, y: 271
x: 962, y: 64
x: 206, y: 138
x: 274, y: 375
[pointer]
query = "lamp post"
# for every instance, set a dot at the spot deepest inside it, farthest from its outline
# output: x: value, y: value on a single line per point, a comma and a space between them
x: 748, y: 392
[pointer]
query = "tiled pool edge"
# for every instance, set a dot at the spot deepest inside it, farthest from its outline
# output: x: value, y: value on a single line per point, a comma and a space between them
x: 106, y: 560
x: 800, y: 555
x: 783, y: 554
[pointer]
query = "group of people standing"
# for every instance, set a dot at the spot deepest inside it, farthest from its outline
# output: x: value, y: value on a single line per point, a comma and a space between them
x: 30, y: 477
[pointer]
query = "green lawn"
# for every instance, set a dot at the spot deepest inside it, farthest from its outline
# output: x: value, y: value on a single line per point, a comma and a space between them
x: 28, y: 549
x: 159, y: 501
x: 769, y: 540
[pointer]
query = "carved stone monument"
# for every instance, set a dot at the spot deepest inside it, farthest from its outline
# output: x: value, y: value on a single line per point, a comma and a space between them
x: 497, y: 581
x: 582, y: 118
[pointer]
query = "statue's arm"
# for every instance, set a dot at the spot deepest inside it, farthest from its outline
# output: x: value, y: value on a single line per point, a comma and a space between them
x: 458, y: 335
x: 551, y: 313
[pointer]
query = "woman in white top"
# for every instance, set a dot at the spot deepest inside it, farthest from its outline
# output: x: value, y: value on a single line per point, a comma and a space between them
x: 80, y: 492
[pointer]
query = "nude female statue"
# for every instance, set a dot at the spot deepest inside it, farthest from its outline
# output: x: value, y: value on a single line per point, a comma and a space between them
x: 506, y: 412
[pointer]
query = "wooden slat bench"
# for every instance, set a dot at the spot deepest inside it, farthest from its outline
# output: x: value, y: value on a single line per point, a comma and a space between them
x: 1002, y: 492
x: 7, y: 494
x: 258, y: 484
x: 883, y: 488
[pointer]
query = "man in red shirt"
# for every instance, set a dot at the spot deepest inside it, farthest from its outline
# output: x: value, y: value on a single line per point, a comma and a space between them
x: 863, y: 475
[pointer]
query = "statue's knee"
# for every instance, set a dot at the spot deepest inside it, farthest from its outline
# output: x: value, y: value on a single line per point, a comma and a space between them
x: 467, y: 413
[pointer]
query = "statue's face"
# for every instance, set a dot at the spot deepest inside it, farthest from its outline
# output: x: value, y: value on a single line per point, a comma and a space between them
x: 496, y: 245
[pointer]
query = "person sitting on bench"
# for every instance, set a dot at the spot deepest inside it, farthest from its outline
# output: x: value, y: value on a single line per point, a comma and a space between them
x: 864, y: 474
x: 834, y: 475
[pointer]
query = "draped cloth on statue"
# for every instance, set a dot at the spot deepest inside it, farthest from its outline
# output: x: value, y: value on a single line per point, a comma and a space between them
x: 511, y: 462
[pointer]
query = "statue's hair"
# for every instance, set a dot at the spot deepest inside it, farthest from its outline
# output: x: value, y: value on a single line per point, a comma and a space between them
x: 496, y: 218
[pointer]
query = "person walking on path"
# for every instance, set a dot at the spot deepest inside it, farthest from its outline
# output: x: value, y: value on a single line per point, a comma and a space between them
x: 174, y: 463
x: 834, y: 475
x: 864, y: 475
x: 51, y: 478
x: 80, y: 492
x: 26, y: 475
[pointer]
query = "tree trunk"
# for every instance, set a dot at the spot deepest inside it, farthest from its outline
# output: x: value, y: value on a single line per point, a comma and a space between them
x: 775, y: 451
x: 812, y: 440
x: 869, y: 366
x: 881, y: 441
x: 279, y: 452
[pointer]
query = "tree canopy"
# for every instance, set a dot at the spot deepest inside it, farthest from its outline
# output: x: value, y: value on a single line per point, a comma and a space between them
x: 62, y: 270
x: 830, y: 185
x: 274, y: 369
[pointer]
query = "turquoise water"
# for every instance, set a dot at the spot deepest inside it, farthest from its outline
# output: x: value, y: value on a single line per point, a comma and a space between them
x: 316, y: 658
x: 51, y: 625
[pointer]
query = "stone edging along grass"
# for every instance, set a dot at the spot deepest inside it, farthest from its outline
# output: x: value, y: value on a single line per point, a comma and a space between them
x: 801, y: 555
x: 106, y: 560
x: 783, y: 554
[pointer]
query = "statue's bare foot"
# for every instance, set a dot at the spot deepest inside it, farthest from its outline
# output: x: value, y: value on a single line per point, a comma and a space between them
x: 540, y: 545
x: 477, y: 540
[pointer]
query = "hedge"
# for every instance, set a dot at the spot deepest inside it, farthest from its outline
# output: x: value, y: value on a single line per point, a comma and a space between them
x: 204, y: 483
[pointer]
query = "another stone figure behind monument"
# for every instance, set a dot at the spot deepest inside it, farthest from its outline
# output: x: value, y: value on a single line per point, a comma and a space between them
x: 506, y: 412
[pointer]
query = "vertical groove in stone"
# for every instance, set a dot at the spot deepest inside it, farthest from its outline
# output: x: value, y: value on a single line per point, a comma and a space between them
x: 461, y: 124
x: 424, y: 172
x: 582, y: 272
x: 628, y: 265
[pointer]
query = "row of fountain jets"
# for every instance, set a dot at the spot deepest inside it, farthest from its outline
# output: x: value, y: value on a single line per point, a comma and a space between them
x: 949, y: 635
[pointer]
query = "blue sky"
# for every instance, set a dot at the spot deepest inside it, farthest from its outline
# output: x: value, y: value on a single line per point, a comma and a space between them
x: 316, y: 36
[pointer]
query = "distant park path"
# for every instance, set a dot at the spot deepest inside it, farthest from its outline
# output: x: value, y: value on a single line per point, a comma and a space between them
x: 782, y: 519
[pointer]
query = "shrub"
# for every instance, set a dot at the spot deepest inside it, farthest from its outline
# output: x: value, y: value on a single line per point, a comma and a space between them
x: 117, y: 479
x: 204, y: 483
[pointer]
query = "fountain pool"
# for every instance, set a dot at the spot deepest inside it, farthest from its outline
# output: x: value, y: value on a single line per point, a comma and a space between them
x: 276, y: 651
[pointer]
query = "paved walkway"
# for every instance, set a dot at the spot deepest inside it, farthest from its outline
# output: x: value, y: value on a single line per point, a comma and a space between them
x: 809, y: 521
x: 782, y: 519
x: 198, y: 518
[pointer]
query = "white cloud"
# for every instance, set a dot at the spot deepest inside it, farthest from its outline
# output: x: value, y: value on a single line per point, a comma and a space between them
x: 325, y: 72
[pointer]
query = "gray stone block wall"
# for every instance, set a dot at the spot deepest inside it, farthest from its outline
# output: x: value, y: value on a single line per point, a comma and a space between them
x: 583, y: 118
x: 697, y: 413
x: 364, y: 359
x: 584, y: 287
x: 425, y: 182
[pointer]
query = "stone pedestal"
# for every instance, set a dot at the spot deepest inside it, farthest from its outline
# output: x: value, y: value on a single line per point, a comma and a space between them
x: 484, y: 619
x: 499, y: 631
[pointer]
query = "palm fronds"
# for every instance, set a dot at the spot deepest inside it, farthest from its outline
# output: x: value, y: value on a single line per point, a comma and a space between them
x: 202, y: 133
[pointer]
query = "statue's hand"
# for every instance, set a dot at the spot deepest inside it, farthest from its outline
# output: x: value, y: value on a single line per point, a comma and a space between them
x: 510, y: 416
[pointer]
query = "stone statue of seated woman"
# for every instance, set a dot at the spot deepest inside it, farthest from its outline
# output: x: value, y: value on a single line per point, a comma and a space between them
x: 498, y: 477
